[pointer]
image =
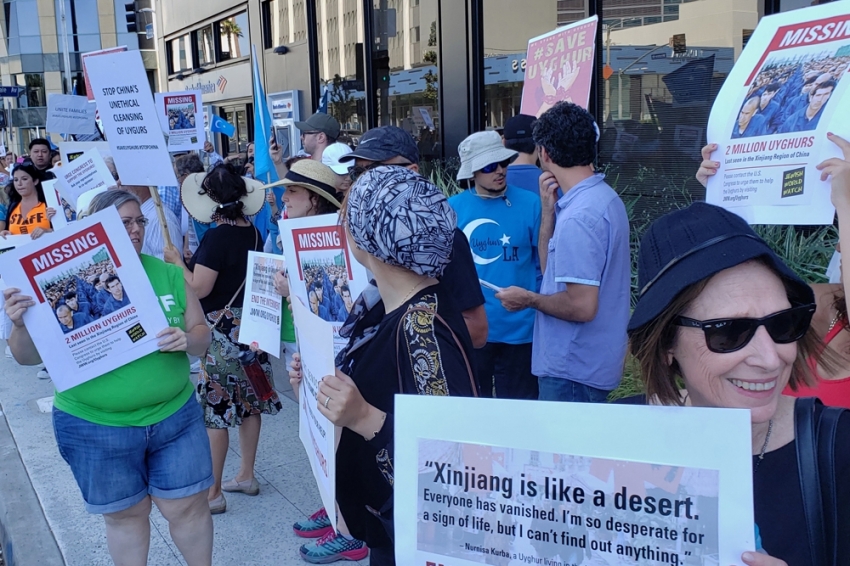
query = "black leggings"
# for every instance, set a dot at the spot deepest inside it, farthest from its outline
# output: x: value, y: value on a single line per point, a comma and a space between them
x: 383, y: 556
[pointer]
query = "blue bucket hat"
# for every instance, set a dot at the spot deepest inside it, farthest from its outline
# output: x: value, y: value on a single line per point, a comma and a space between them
x: 686, y: 246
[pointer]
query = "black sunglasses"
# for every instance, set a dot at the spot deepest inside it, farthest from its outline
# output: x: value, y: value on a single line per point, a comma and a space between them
x: 493, y: 166
x: 726, y: 335
x: 358, y: 170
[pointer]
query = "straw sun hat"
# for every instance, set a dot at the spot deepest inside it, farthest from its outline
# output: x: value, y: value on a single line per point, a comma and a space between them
x: 201, y: 206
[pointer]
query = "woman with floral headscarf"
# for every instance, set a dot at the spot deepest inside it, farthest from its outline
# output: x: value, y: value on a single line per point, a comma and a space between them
x: 401, y: 228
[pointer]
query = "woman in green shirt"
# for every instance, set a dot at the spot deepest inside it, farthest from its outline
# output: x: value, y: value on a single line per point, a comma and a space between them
x: 136, y: 435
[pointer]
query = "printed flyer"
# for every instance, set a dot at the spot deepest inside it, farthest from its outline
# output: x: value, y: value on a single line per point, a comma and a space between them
x: 178, y: 112
x: 318, y: 435
x: 95, y: 308
x: 64, y: 212
x: 88, y: 172
x: 69, y: 114
x: 770, y: 119
x: 262, y: 306
x: 322, y: 270
x: 559, y: 66
x: 639, y: 485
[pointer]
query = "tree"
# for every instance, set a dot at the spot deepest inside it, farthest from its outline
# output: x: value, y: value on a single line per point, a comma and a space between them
x: 344, y: 105
x: 230, y: 29
x: 430, y: 56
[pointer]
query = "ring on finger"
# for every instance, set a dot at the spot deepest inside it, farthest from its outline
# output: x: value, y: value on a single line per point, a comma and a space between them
x: 327, y: 400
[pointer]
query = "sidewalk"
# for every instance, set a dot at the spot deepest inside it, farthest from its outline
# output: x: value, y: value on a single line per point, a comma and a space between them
x: 254, y: 530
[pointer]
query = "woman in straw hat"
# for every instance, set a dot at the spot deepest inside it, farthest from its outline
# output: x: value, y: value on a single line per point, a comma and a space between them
x: 217, y: 274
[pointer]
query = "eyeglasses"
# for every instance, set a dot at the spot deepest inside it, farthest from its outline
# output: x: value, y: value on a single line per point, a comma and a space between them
x: 358, y: 170
x: 493, y: 166
x: 726, y: 335
x: 141, y: 222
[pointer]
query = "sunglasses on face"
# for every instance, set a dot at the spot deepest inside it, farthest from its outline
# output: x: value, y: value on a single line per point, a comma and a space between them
x: 726, y: 335
x: 358, y: 170
x: 493, y: 166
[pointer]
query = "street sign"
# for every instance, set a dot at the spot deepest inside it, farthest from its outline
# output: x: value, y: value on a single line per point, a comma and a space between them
x: 149, y: 31
x: 11, y: 91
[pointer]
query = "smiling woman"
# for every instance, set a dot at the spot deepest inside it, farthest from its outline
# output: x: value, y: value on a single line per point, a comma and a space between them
x: 721, y: 312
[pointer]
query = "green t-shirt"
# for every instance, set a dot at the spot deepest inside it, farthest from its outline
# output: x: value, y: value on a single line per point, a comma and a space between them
x: 287, y: 324
x: 150, y: 389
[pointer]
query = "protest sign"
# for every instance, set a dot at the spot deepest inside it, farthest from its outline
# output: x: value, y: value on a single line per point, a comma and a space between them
x: 64, y: 212
x: 262, y: 306
x: 68, y: 114
x: 177, y: 115
x: 319, y: 436
x: 770, y: 119
x: 11, y: 242
x: 86, y: 173
x: 84, y: 58
x: 637, y: 484
x: 130, y: 121
x: 110, y: 326
x: 69, y: 151
x: 322, y: 270
x: 559, y: 66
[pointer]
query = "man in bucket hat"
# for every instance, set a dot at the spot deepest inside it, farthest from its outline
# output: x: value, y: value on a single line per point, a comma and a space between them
x: 502, y: 224
x: 583, y: 304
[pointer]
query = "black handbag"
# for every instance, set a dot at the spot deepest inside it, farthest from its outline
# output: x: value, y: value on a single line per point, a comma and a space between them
x: 815, y: 433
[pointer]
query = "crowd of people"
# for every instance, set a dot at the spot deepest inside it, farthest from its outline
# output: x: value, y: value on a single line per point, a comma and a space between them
x: 181, y: 118
x: 517, y: 287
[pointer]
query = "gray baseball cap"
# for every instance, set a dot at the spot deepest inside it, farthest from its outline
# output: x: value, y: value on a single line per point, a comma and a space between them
x: 320, y: 122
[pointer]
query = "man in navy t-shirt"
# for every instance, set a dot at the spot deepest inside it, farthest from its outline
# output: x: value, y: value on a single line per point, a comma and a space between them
x: 502, y: 224
x: 523, y: 172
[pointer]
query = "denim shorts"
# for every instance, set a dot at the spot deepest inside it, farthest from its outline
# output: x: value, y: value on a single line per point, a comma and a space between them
x: 117, y: 467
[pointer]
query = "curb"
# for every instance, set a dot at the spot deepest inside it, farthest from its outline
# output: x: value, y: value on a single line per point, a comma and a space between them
x: 25, y: 536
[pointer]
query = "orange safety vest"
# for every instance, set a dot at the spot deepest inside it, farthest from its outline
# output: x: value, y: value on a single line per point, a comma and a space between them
x: 37, y: 218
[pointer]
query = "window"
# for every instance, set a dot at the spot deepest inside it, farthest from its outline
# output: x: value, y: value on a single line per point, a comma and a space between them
x: 82, y: 24
x: 180, y: 54
x: 205, y: 43
x: 22, y: 29
x: 34, y: 95
x: 267, y: 11
x: 233, y: 32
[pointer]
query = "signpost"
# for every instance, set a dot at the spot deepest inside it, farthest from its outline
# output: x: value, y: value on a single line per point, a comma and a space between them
x: 11, y: 91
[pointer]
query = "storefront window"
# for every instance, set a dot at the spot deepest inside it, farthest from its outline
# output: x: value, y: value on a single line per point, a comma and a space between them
x: 235, y: 42
x: 239, y: 117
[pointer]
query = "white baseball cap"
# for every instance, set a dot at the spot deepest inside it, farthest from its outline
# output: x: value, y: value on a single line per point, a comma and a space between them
x: 333, y: 153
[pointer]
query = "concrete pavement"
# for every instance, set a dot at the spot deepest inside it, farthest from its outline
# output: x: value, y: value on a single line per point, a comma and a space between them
x: 45, y: 520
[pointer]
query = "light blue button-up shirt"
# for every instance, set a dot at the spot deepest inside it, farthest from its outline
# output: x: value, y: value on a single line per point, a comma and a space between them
x: 590, y: 246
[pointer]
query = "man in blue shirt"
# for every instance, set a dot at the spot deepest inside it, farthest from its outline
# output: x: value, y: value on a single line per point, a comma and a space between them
x: 502, y: 224
x: 583, y: 304
x: 117, y: 298
x: 768, y: 109
x: 523, y: 172
x: 807, y: 118
x: 70, y: 320
x: 749, y: 123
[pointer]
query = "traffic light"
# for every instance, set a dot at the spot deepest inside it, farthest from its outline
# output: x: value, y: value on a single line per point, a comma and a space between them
x: 381, y: 64
x: 130, y: 16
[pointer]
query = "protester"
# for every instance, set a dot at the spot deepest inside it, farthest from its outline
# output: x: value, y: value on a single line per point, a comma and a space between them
x: 248, y: 166
x: 390, y: 145
x: 583, y: 305
x: 331, y: 157
x: 184, y: 166
x: 702, y: 273
x: 419, y: 313
x: 40, y: 155
x: 154, y: 239
x: 217, y: 274
x: 830, y: 320
x: 502, y: 223
x: 317, y: 133
x: 28, y: 212
x: 135, y: 435
x: 523, y: 171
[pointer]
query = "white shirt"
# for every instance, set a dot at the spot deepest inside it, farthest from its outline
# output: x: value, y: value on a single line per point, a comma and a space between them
x: 154, y: 244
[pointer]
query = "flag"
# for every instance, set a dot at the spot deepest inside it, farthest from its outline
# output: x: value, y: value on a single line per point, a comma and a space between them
x: 219, y: 125
x: 323, y: 101
x: 692, y: 81
x: 264, y: 169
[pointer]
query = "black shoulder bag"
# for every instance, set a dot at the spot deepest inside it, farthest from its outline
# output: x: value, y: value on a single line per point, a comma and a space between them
x: 815, y: 439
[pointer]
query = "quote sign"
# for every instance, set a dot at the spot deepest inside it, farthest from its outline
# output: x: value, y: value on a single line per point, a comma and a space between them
x: 638, y: 485
x: 130, y: 119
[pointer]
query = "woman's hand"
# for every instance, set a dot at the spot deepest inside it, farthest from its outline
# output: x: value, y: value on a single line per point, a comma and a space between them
x: 173, y: 339
x: 758, y: 559
x: 39, y: 232
x: 173, y: 256
x: 295, y: 374
x: 281, y: 284
x: 51, y: 212
x: 707, y: 168
x: 16, y: 305
x: 839, y: 170
x: 341, y: 402
x: 4, y: 233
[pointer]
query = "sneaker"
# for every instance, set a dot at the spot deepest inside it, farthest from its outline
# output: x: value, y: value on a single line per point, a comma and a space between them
x: 42, y: 373
x: 248, y: 487
x: 333, y: 547
x: 317, y: 525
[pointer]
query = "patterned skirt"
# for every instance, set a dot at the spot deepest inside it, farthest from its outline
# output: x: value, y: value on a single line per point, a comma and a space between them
x: 223, y: 388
